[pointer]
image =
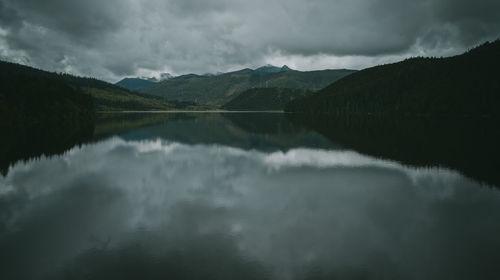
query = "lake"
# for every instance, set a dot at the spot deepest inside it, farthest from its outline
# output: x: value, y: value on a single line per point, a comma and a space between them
x: 255, y: 196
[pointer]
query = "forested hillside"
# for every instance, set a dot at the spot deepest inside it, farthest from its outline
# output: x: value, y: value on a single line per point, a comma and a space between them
x: 135, y: 84
x: 106, y: 96
x: 467, y: 84
x: 40, y: 114
x: 263, y: 99
x: 220, y: 89
x: 29, y: 95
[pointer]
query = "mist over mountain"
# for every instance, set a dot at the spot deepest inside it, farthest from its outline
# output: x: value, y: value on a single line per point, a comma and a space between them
x: 142, y: 83
x: 272, y: 69
x: 114, y: 39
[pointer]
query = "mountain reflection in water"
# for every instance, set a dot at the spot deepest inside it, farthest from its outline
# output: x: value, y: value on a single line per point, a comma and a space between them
x: 166, y: 198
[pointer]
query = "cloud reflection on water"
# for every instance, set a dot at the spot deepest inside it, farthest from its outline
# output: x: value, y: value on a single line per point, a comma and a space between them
x: 283, y: 215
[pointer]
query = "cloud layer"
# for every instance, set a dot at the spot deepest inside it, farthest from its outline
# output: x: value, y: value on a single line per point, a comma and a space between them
x: 114, y: 38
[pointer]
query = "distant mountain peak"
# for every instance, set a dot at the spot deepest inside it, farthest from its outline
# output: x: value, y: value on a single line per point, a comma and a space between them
x: 162, y: 77
x: 165, y: 77
x: 149, y: 79
x: 272, y: 69
x: 142, y: 83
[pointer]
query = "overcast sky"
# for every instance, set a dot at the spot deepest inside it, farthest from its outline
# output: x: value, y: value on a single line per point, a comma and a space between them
x: 111, y: 39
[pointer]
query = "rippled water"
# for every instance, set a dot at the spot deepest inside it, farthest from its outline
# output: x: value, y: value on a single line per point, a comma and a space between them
x: 205, y: 197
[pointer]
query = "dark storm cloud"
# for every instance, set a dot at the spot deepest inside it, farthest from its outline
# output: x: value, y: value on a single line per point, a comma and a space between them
x: 8, y: 17
x: 473, y: 20
x: 80, y: 20
x: 112, y: 38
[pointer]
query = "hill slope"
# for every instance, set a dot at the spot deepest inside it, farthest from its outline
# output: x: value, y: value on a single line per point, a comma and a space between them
x: 262, y: 99
x: 109, y: 97
x: 135, y: 84
x: 467, y: 84
x: 39, y: 114
x: 218, y: 90
x: 28, y: 96
x: 106, y: 96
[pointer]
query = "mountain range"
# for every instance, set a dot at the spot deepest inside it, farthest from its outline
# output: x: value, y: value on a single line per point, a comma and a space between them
x: 466, y: 84
x: 219, y: 89
x: 143, y: 83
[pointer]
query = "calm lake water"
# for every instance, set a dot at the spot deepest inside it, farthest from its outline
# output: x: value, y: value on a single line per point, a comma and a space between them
x: 250, y: 196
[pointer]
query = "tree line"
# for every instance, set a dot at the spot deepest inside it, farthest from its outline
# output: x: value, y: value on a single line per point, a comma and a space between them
x: 463, y: 85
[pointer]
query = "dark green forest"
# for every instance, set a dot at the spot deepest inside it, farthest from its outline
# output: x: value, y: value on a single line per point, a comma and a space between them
x: 466, y: 84
x: 106, y: 96
x: 265, y: 99
x: 30, y: 96
x: 40, y: 114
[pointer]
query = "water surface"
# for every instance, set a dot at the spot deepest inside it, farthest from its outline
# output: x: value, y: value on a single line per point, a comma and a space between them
x: 247, y: 196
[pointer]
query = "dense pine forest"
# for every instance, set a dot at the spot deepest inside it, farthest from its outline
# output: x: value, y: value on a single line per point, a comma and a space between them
x: 40, y: 113
x: 467, y: 84
x: 106, y: 96
x: 28, y: 95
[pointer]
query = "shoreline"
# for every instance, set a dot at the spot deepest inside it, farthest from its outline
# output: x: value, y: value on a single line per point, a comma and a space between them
x: 188, y: 111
